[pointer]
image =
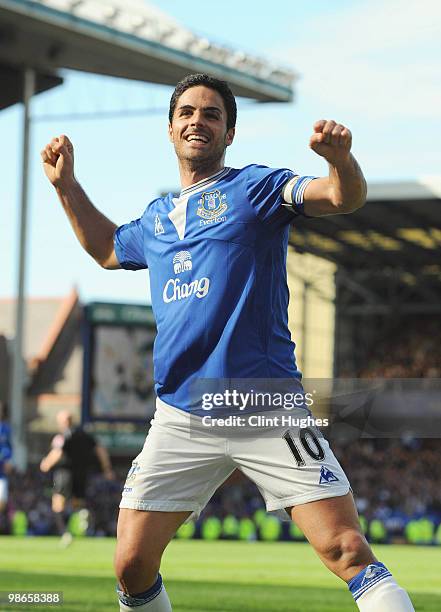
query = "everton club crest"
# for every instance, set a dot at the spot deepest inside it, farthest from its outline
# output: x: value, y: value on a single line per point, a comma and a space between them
x: 212, y: 204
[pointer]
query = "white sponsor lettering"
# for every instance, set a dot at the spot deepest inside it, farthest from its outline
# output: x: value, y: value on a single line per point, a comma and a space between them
x: 175, y: 290
x: 211, y: 221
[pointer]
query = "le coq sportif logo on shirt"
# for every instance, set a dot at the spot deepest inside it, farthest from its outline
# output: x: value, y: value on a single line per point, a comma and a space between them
x: 176, y: 288
x: 159, y: 228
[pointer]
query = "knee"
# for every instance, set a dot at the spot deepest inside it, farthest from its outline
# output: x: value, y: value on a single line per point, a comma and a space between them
x: 347, y: 550
x: 135, y: 571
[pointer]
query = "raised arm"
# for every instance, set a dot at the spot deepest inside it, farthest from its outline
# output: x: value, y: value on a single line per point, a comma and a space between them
x: 344, y: 190
x: 93, y: 230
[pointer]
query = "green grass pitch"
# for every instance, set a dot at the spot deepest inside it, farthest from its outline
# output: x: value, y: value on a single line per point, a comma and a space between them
x: 210, y: 576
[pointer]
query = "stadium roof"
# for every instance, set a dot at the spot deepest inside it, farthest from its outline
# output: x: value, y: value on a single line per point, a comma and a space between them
x: 397, y: 228
x: 11, y: 78
x: 124, y: 38
x: 45, y: 319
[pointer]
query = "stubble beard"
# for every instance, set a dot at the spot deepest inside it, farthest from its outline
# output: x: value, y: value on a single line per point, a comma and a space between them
x: 202, y: 163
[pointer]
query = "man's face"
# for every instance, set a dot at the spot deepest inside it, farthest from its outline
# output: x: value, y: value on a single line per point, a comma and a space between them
x: 199, y: 126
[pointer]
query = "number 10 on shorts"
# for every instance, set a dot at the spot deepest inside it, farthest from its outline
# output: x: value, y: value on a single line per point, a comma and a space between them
x: 310, y: 444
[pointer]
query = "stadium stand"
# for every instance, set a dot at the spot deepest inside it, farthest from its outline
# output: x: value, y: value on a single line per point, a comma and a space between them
x: 410, y: 350
x: 395, y: 484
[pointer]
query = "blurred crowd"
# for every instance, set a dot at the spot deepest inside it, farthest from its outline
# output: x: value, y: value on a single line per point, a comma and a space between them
x: 413, y: 350
x: 393, y: 480
x: 31, y: 493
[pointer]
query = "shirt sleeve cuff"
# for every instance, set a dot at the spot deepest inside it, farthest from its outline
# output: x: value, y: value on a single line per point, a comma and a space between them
x: 119, y: 251
x: 293, y: 193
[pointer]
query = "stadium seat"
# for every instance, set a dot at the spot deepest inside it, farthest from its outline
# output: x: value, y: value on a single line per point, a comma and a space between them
x: 271, y: 529
x: 438, y: 535
x: 247, y: 529
x: 230, y: 527
x: 211, y: 528
x: 19, y: 523
x: 295, y: 532
x: 363, y: 523
x: 186, y: 531
x: 377, y: 531
x: 259, y: 517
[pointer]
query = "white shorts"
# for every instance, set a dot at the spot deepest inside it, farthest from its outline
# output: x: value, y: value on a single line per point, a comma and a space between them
x: 3, y: 490
x: 180, y: 468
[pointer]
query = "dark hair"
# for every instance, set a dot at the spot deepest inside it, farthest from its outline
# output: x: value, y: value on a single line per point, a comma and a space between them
x: 193, y: 80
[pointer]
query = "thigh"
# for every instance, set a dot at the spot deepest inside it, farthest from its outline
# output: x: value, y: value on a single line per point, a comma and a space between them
x: 333, y: 529
x: 290, y: 467
x: 79, y: 483
x: 62, y: 489
x: 63, y: 483
x: 141, y: 533
x: 176, y: 471
x: 320, y: 520
x: 141, y: 540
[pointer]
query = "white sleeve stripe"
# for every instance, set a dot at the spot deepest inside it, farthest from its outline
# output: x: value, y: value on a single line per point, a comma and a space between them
x: 300, y: 189
x: 288, y: 189
x: 293, y: 193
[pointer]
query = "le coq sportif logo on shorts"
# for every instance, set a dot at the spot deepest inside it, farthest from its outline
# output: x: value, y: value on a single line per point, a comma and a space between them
x: 177, y: 288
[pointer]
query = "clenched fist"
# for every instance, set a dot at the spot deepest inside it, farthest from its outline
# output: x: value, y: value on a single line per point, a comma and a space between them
x: 332, y: 141
x: 58, y: 161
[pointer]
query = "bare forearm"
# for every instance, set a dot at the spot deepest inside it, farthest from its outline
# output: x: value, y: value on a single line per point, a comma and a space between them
x: 93, y: 229
x: 103, y: 458
x: 347, y: 184
x: 344, y: 189
x: 51, y: 459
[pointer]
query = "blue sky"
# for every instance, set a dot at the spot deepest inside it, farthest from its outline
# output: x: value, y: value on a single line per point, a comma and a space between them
x: 373, y: 66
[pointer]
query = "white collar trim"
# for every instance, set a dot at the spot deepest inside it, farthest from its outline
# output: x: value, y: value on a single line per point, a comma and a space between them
x: 204, y: 182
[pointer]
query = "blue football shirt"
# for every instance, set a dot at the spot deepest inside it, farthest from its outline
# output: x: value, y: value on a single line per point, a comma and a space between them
x: 5, y: 446
x: 217, y: 261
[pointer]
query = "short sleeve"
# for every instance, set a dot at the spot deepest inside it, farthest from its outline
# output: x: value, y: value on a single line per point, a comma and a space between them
x: 58, y: 442
x: 129, y: 246
x: 80, y: 439
x: 264, y: 192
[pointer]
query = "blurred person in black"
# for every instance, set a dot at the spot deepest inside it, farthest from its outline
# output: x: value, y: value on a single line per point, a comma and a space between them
x: 73, y: 455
